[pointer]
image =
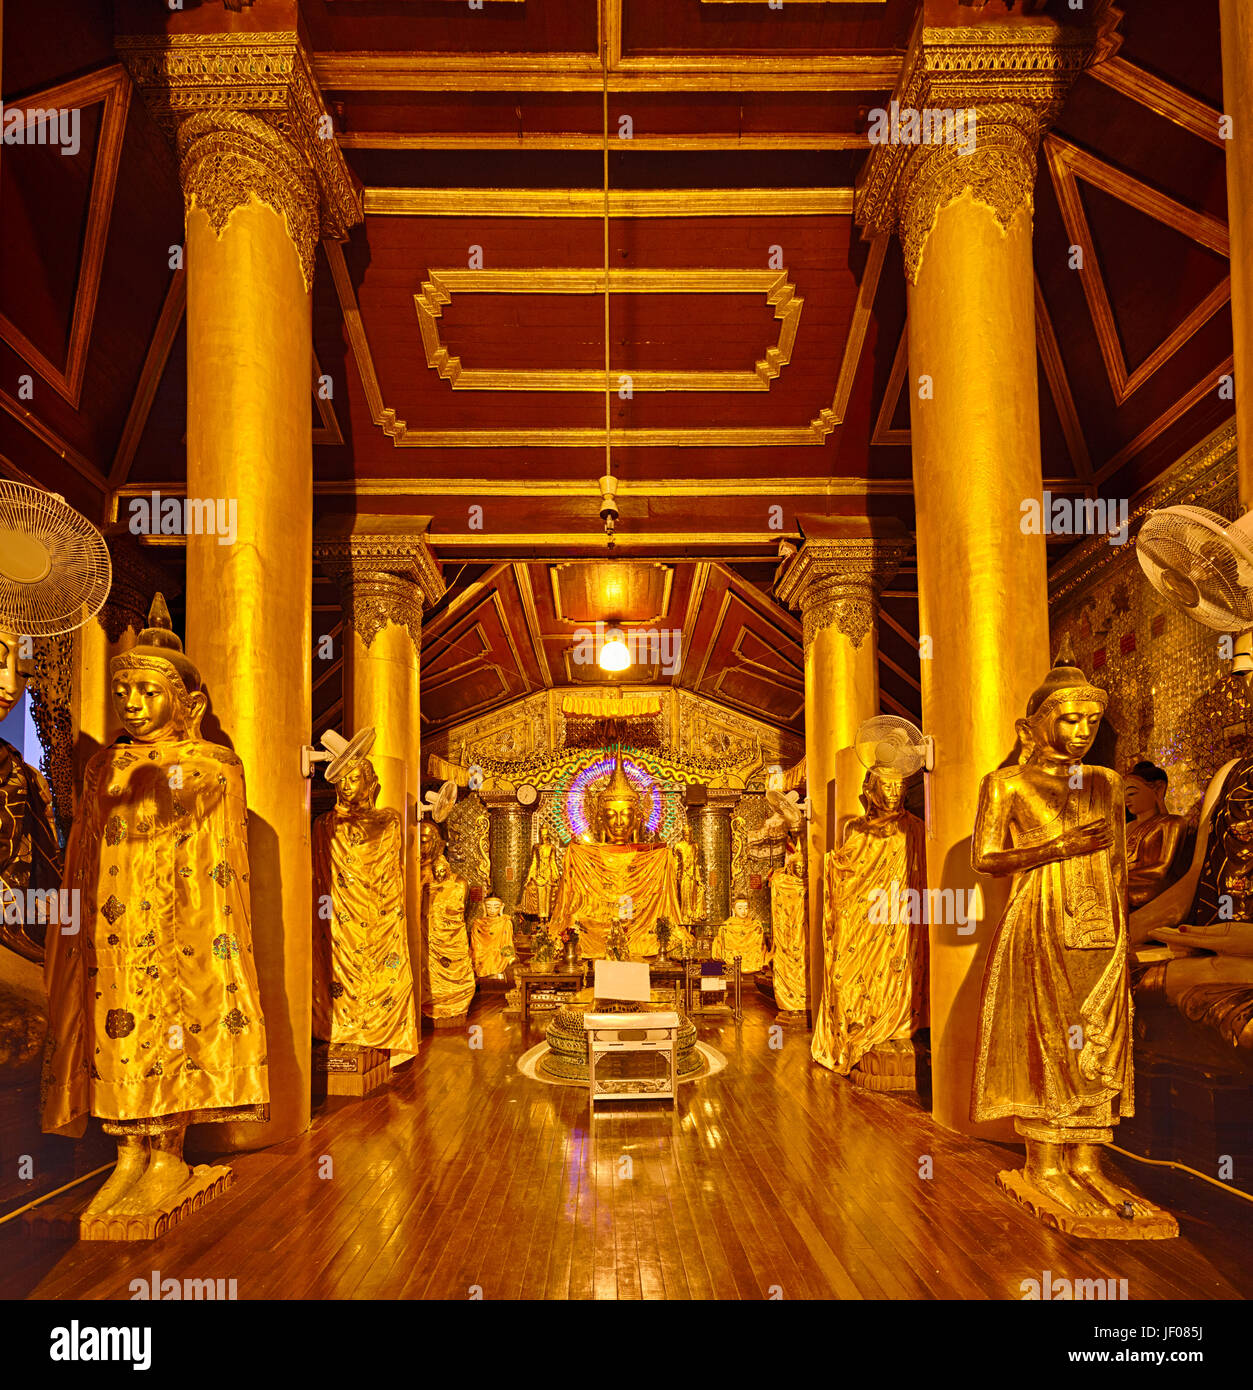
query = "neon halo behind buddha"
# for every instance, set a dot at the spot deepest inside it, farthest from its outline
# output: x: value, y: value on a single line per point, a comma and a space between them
x: 618, y: 879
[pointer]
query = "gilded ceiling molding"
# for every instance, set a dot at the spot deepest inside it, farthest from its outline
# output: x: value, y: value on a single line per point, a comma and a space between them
x: 837, y: 582
x: 1015, y: 80
x: 257, y: 92
x: 385, y: 575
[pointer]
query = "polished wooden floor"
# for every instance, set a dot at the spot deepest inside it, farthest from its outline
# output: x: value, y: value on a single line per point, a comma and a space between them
x: 775, y: 1179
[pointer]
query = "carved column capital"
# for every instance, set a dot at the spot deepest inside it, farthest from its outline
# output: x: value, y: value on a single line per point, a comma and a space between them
x: 835, y: 579
x: 1013, y: 77
x: 249, y: 122
x: 385, y: 570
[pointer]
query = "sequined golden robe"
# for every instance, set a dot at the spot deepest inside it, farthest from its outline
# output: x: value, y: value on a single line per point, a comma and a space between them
x: 743, y: 937
x: 154, y: 1009
x: 491, y: 944
x: 362, y: 976
x: 449, y: 984
x: 787, y: 920
x: 1054, y: 1040
x: 874, y: 980
x: 602, y: 884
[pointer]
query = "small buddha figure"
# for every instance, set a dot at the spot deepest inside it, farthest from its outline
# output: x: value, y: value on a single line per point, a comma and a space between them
x: 155, y: 1015
x: 1153, y: 837
x: 788, y: 929
x: 449, y: 970
x: 491, y: 940
x: 30, y: 858
x: 691, y: 884
x: 430, y: 848
x: 875, y: 960
x: 1053, y: 1048
x: 542, y: 877
x: 743, y: 936
x: 362, y: 977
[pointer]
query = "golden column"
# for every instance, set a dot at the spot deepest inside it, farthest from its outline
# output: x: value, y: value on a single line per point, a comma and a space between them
x: 262, y: 179
x: 835, y: 580
x: 1237, y: 40
x: 386, y: 572
x: 965, y: 223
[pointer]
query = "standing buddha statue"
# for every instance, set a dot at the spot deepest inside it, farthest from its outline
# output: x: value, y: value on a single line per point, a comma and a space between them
x: 541, y: 877
x: 449, y: 984
x: 362, y: 975
x: 875, y: 963
x: 155, y: 1015
x: 789, y: 927
x: 1054, y: 1040
x: 691, y: 884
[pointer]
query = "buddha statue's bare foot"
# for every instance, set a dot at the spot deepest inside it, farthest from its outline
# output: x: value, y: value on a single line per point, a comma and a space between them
x: 165, y: 1174
x: 132, y: 1159
x: 1085, y: 1165
x: 1070, y: 1193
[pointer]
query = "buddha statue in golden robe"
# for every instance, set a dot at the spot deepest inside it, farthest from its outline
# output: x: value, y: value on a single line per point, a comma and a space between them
x: 1053, y: 1048
x: 789, y: 928
x: 30, y: 859
x: 155, y: 1014
x: 362, y: 975
x: 542, y: 877
x: 1153, y: 836
x: 491, y: 940
x: 691, y: 881
x: 617, y: 879
x: 449, y: 982
x: 875, y: 960
x: 741, y: 935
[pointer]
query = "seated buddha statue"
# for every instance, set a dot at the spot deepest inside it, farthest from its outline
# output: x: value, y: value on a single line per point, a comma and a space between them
x: 30, y: 858
x: 1212, y: 899
x: 617, y: 879
x: 362, y: 975
x: 743, y: 936
x: 1153, y: 836
x: 155, y: 1017
x: 449, y: 982
x: 491, y: 940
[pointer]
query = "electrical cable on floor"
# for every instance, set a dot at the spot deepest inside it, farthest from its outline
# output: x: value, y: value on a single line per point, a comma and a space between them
x: 1183, y: 1167
x: 56, y: 1192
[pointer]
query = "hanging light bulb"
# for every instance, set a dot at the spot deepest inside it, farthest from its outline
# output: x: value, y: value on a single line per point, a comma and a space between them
x: 614, y: 654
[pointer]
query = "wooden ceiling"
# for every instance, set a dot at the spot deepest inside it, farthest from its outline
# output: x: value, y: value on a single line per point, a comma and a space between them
x: 461, y: 326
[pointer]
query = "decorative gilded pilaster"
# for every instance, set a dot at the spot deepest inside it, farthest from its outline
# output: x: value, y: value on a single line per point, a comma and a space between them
x: 711, y: 825
x: 250, y: 125
x: 835, y: 580
x: 1014, y: 77
x: 510, y: 841
x: 965, y: 223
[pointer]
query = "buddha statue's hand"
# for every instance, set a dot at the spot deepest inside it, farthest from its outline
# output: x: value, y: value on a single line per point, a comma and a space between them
x: 1089, y: 838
